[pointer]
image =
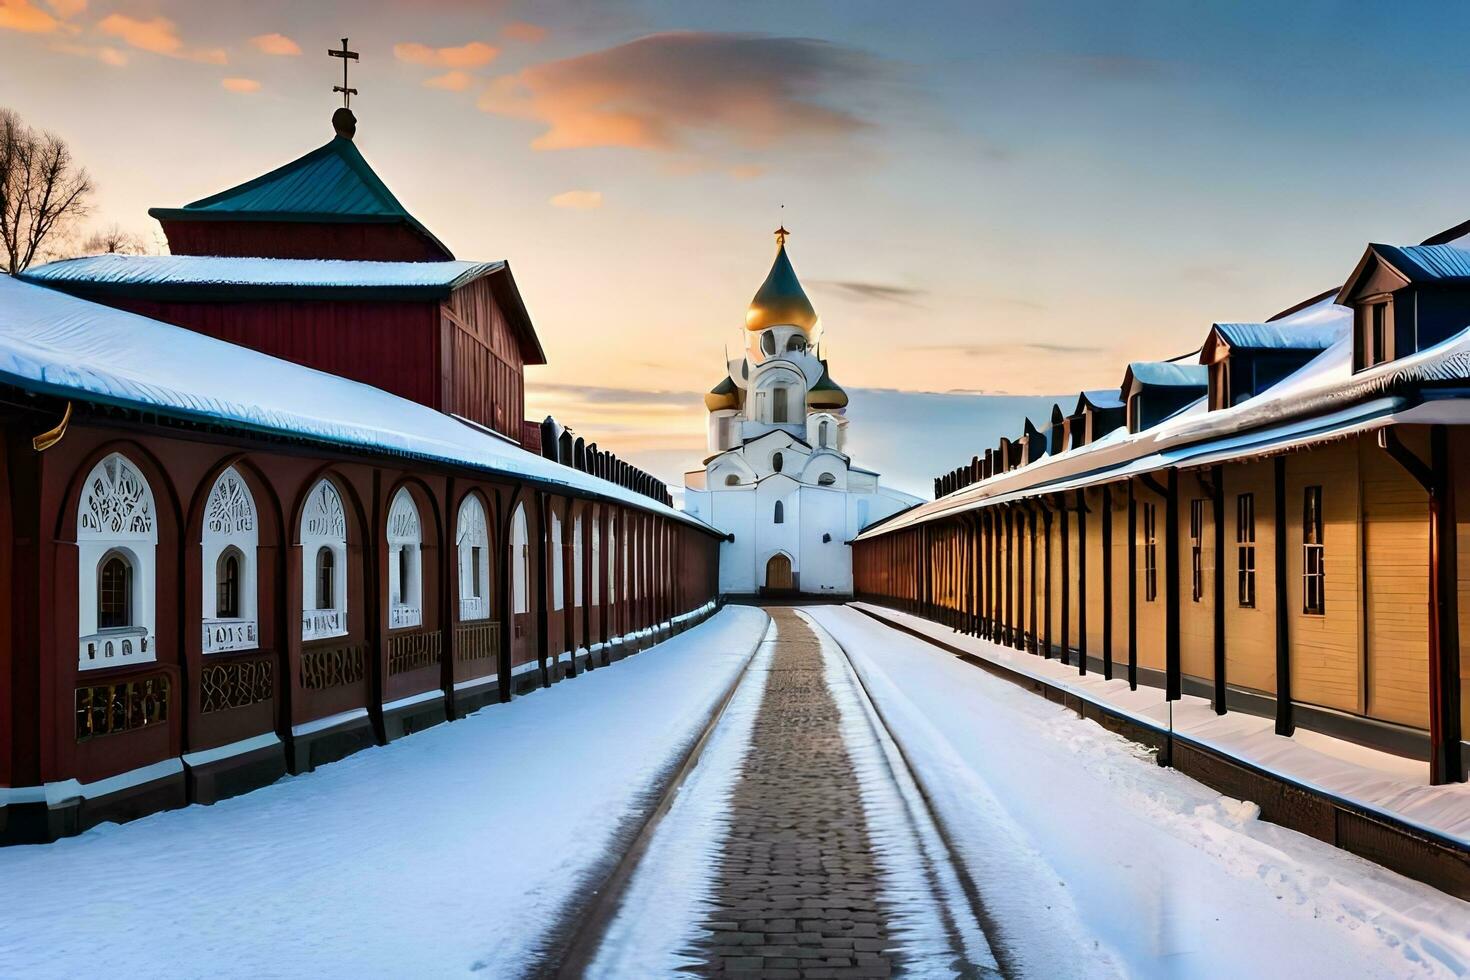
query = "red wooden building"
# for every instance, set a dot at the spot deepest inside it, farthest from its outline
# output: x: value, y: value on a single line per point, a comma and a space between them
x: 299, y: 526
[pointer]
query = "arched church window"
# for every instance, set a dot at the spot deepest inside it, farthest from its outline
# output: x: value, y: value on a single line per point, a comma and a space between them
x: 520, y: 561
x: 768, y: 343
x: 228, y: 545
x: 117, y: 540
x: 823, y: 433
x: 326, y: 578
x: 732, y: 479
x: 557, y: 562
x: 405, y: 574
x: 780, y: 513
x: 324, y: 547
x: 776, y: 462
x: 115, y: 592
x: 826, y: 480
x: 780, y: 412
x: 796, y: 343
x: 472, y: 546
x: 227, y: 584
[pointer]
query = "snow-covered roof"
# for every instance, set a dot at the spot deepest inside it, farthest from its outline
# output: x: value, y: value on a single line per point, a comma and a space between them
x: 1100, y: 398
x: 1279, y: 336
x: 1325, y: 399
x: 1168, y: 374
x: 57, y: 344
x: 1427, y: 262
x: 180, y: 275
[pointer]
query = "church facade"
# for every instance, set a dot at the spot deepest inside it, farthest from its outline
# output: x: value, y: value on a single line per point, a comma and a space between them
x: 778, y: 479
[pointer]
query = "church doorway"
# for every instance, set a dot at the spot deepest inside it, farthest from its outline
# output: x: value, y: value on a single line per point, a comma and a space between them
x: 778, y: 574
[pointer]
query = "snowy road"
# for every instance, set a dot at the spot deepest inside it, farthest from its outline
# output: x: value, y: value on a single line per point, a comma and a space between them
x: 1093, y: 861
x: 454, y: 850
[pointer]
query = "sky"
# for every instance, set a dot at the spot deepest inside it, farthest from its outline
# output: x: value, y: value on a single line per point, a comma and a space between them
x: 987, y: 197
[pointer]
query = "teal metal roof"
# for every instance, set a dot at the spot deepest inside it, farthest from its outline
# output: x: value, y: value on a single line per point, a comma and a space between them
x: 331, y: 184
x: 1427, y: 262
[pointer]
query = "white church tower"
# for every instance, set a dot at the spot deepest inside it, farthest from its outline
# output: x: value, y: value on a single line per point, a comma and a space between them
x: 778, y: 478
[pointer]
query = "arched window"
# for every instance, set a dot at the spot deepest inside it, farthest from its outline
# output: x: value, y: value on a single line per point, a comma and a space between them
x: 768, y: 343
x: 520, y: 561
x: 826, y: 480
x: 117, y: 541
x: 777, y: 461
x: 326, y: 578
x: 324, y: 559
x: 227, y: 584
x: 577, y: 561
x: 115, y: 592
x: 597, y: 572
x: 823, y: 434
x: 472, y: 545
x: 405, y: 572
x: 558, y: 563
x: 229, y: 531
x: 732, y: 479
x: 780, y: 512
x: 796, y: 343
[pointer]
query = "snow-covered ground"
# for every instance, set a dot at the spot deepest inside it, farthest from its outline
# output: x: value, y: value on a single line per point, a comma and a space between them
x: 1377, y: 780
x: 455, y: 849
x: 1093, y: 861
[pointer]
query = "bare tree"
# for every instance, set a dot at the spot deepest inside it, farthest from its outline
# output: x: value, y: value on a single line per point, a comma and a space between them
x: 113, y: 240
x: 42, y: 190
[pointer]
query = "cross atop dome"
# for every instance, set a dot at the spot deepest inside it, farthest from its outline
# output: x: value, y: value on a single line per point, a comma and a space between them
x: 781, y: 234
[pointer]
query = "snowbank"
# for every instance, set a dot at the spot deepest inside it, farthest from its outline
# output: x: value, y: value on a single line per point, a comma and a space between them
x: 455, y: 849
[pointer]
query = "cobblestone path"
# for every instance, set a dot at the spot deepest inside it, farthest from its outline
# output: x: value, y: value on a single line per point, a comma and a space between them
x: 796, y: 889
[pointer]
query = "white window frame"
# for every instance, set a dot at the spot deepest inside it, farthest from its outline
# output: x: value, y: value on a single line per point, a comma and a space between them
x: 520, y: 561
x: 230, y: 521
x: 323, y: 525
x: 471, y: 532
x: 558, y: 564
x: 116, y: 513
x: 405, y: 560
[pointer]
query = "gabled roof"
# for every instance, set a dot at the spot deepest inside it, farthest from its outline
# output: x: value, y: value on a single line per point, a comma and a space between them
x: 332, y: 184
x: 1276, y: 336
x: 1101, y: 398
x: 55, y: 344
x: 1165, y: 374
x: 223, y: 279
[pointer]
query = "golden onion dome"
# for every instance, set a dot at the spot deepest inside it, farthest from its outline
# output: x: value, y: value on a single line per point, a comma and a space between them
x: 722, y: 396
x: 780, y: 301
x: 826, y: 393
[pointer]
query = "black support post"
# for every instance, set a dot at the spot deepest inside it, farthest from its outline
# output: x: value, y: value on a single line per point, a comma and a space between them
x: 1107, y: 581
x: 1082, y: 582
x: 1285, y: 723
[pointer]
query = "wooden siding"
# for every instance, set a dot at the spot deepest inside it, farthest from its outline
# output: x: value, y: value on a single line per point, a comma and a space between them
x: 484, y: 377
x: 1151, y: 639
x: 301, y: 240
x: 1250, y: 632
x: 1395, y: 551
x: 1197, y: 619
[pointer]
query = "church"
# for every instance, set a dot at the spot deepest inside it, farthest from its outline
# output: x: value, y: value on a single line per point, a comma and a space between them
x: 779, y: 481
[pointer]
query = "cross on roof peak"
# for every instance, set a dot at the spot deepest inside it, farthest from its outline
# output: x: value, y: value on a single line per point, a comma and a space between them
x: 346, y: 56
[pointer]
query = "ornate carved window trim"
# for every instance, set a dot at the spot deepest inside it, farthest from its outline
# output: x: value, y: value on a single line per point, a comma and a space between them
x: 116, y: 522
x: 323, y: 525
x: 472, y: 553
x: 405, y: 564
x: 230, y: 528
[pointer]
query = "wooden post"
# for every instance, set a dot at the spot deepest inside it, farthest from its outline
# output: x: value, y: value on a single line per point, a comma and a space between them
x: 1082, y: 582
x: 1066, y: 583
x: 1008, y: 556
x: 1019, y: 561
x: 1132, y: 586
x: 1285, y: 723
x: 1031, y: 522
x: 1107, y: 580
x: 1046, y: 591
x: 1219, y: 499
x: 1172, y: 681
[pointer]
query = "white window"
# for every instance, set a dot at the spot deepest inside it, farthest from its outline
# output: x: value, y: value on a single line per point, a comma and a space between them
x: 558, y: 565
x: 612, y: 557
x: 405, y: 563
x: 577, y: 561
x: 823, y: 433
x: 472, y: 549
x: 228, y: 542
x: 323, y: 563
x: 520, y: 562
x: 117, y: 544
x: 779, y: 411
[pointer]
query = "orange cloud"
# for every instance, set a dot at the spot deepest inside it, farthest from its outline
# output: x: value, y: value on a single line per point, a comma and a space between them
x: 158, y: 35
x: 451, y: 81
x: 26, y: 17
x: 578, y: 200
x: 241, y: 85
x: 523, y: 31
x: 690, y: 92
x: 103, y: 53
x: 67, y: 8
x: 275, y: 44
x: 473, y: 55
